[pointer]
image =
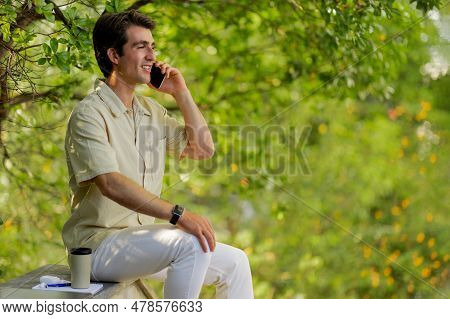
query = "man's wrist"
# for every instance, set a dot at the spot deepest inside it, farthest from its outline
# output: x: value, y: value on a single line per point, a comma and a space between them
x: 181, y: 94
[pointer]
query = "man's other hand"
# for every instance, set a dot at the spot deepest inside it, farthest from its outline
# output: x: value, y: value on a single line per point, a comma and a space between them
x: 200, y: 227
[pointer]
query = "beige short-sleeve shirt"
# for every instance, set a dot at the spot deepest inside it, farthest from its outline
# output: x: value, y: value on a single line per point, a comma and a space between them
x: 101, y: 138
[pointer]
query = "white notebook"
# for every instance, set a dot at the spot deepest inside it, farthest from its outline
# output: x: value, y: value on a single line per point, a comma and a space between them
x: 93, y: 289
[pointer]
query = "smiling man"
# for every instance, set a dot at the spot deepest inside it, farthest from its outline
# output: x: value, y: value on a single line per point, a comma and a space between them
x: 115, y: 145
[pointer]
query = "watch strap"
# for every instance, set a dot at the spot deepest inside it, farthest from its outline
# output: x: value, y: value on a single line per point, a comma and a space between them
x: 177, y: 211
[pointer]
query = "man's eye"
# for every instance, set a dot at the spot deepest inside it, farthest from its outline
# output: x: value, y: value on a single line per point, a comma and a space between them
x: 141, y: 47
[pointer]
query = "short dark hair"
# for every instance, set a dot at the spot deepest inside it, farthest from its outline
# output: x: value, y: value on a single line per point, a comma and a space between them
x: 110, y: 32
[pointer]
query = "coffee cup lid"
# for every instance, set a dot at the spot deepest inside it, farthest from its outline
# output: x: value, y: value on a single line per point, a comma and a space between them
x: 81, y: 251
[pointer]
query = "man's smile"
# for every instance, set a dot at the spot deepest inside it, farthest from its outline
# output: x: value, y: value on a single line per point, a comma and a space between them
x: 147, y: 68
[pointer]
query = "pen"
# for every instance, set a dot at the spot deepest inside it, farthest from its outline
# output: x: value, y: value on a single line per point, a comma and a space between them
x: 59, y: 285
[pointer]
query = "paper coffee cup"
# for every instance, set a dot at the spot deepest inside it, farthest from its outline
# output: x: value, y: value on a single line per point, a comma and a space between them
x: 80, y: 267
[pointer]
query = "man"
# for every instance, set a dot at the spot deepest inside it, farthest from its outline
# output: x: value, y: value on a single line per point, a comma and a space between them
x: 115, y: 148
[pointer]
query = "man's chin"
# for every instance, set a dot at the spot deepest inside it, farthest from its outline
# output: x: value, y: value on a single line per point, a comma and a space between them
x: 144, y: 79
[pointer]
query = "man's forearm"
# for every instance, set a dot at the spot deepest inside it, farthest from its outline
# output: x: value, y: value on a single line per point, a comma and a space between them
x: 197, y: 129
x: 131, y: 195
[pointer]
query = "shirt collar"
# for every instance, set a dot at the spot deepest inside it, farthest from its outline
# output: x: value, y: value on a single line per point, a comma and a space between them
x: 141, y: 109
x: 110, y: 98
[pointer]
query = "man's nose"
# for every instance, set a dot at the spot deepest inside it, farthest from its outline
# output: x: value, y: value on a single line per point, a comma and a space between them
x: 150, y: 55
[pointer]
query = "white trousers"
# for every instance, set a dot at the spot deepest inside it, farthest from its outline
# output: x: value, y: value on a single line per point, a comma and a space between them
x: 166, y: 253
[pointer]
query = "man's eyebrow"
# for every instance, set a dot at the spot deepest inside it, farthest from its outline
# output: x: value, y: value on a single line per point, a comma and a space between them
x: 143, y: 42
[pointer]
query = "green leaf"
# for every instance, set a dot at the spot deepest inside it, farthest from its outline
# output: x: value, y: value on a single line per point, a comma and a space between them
x: 71, y: 13
x: 47, y: 49
x: 62, y: 61
x: 114, y: 6
x: 426, y: 5
x: 64, y: 56
x: 5, y: 31
x: 54, y: 45
x: 109, y: 8
x: 48, y: 7
x: 42, y: 61
x: 38, y: 3
x: 49, y: 16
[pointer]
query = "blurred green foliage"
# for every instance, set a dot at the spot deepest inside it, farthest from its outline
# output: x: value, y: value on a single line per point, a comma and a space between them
x: 364, y: 212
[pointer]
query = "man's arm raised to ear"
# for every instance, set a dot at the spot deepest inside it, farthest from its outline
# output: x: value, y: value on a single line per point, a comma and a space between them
x: 131, y: 195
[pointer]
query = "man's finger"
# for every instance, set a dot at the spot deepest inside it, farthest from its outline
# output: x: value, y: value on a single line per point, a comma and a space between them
x: 211, y: 229
x: 164, y: 67
x: 210, y: 239
x: 202, y: 242
x: 168, y: 71
x: 210, y: 225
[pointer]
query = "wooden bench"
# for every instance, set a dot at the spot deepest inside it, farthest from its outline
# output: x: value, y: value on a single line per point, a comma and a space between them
x: 20, y: 288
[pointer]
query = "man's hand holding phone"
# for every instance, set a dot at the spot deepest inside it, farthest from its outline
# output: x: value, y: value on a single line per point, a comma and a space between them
x: 166, y: 79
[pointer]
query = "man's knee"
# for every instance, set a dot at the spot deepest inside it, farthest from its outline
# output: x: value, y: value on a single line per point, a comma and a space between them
x: 189, y: 241
x: 243, y: 258
x: 239, y: 259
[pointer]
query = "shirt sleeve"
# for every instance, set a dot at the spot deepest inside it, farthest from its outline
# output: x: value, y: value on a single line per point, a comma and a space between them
x: 176, y: 136
x: 88, y: 148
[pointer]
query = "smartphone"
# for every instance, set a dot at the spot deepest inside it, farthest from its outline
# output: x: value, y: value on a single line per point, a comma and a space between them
x: 156, y: 76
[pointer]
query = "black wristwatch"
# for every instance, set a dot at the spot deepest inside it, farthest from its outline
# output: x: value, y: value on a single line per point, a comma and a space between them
x: 177, y: 211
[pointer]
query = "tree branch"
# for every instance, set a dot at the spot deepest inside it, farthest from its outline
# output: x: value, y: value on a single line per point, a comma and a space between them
x: 27, y: 97
x: 3, y: 110
x: 59, y: 14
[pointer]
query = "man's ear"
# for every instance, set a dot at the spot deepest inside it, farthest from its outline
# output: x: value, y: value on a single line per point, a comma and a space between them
x: 113, y: 56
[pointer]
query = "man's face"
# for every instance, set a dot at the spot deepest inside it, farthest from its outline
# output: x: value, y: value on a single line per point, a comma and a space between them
x: 138, y: 53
